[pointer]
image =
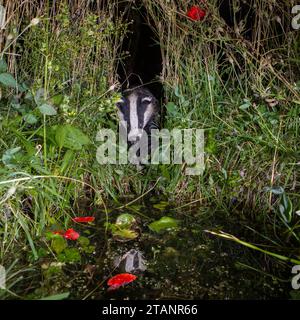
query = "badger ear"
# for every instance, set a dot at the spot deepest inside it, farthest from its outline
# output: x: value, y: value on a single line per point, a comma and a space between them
x: 120, y: 103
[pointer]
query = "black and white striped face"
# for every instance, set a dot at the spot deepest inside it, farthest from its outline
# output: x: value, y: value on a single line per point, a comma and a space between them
x: 139, y: 110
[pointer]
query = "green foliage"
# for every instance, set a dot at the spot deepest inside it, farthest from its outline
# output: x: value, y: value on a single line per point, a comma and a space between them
x: 47, y: 110
x: 85, y: 245
x: 70, y: 137
x: 69, y: 255
x: 8, y: 80
x: 58, y: 244
x: 125, y: 220
x: 163, y: 224
x: 125, y: 228
x: 60, y: 296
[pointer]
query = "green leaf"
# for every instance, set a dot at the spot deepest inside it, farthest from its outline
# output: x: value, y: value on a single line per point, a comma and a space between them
x: 83, y: 241
x: 70, y: 137
x: 3, y: 66
x: 69, y: 255
x: 244, y: 106
x: 59, y: 296
x: 275, y: 190
x: 125, y: 234
x: 161, y: 205
x: 58, y: 99
x: 8, y: 80
x: 50, y: 134
x: 47, y: 109
x: 125, y: 220
x: 171, y: 108
x: 30, y: 118
x: 39, y: 96
x: 58, y: 244
x: 67, y: 161
x: 9, y: 156
x: 286, y: 208
x: 23, y: 87
x: 165, y: 223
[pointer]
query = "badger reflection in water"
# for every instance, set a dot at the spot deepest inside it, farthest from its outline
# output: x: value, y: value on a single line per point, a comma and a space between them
x: 132, y: 261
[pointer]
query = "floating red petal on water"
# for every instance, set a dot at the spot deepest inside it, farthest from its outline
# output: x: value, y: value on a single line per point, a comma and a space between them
x: 71, y: 234
x: 83, y: 219
x: 196, y: 13
x: 120, y: 280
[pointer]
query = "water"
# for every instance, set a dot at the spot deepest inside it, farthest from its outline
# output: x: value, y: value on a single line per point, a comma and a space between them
x: 187, y: 263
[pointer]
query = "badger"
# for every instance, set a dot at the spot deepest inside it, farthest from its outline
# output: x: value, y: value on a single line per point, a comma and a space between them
x: 139, y: 111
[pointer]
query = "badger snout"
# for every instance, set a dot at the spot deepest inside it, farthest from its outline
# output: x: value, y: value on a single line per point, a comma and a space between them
x: 135, y: 135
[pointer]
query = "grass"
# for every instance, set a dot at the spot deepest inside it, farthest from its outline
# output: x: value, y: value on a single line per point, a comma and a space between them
x: 242, y: 89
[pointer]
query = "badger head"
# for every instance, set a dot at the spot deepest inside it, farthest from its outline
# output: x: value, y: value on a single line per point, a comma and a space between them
x: 138, y: 110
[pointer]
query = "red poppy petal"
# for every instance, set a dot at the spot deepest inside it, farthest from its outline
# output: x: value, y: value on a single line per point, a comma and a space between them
x: 121, y: 279
x: 196, y: 13
x: 83, y: 219
x: 71, y: 234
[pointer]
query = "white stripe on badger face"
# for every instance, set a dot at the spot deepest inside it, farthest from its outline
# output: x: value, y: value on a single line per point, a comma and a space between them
x: 134, y: 120
x: 121, y: 116
x: 148, y: 114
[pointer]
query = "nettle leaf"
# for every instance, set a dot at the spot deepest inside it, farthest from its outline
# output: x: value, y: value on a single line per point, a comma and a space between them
x: 23, y: 87
x: 3, y: 66
x: 165, y: 223
x: 30, y: 118
x: 8, y: 80
x: 47, y: 110
x: 70, y: 137
x: 39, y: 96
x: 9, y: 156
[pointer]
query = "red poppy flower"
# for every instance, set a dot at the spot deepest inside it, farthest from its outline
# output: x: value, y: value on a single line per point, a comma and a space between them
x: 83, y: 219
x: 196, y: 13
x: 120, y: 280
x: 71, y: 234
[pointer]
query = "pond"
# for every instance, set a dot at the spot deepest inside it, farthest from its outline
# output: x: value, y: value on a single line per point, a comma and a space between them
x: 185, y: 262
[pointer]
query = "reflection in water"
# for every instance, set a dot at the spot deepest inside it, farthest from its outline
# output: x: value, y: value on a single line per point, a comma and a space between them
x: 187, y: 263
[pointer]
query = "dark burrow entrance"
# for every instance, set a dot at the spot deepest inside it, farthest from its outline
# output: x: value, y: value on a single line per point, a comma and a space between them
x: 142, y: 64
